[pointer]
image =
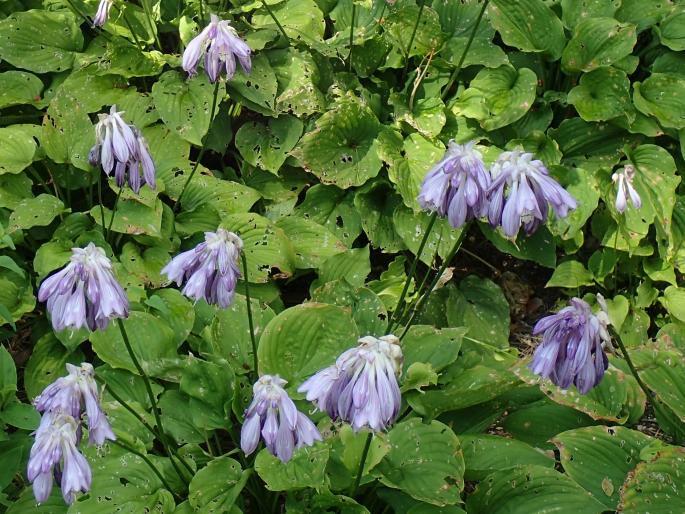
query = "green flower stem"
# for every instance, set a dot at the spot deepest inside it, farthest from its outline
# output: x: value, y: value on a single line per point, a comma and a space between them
x: 202, y: 14
x: 362, y: 461
x: 422, y: 300
x: 455, y: 73
x: 153, y: 28
x: 278, y: 23
x: 419, y: 290
x: 114, y: 211
x: 153, y: 401
x: 130, y: 28
x: 629, y: 361
x: 412, y: 271
x: 202, y: 150
x: 411, y: 42
x: 125, y: 405
x: 149, y: 463
x: 349, y: 57
x: 102, y: 209
x: 249, y: 315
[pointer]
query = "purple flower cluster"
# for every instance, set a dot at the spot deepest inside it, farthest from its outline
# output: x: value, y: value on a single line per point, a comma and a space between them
x: 571, y: 351
x: 121, y: 149
x: 520, y: 192
x: 361, y: 387
x: 84, y: 292
x: 624, y: 179
x: 55, y: 450
x: 210, y: 270
x: 457, y: 185
x: 515, y: 192
x: 221, y: 46
x: 273, y: 415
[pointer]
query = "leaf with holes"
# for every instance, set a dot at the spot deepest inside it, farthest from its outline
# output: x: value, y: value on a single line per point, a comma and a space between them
x: 306, y: 468
x: 267, y: 146
x: 216, y: 487
x: 17, y: 149
x: 425, y: 461
x: 662, y: 95
x: 598, y: 42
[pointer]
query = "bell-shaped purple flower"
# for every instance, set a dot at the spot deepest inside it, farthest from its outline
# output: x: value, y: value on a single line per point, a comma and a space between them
x: 520, y: 191
x: 121, y: 149
x: 102, y: 13
x: 221, y: 45
x: 624, y: 179
x: 571, y: 350
x: 273, y: 415
x: 210, y: 270
x: 55, y: 454
x: 457, y: 185
x: 84, y: 292
x: 361, y: 387
x: 73, y: 393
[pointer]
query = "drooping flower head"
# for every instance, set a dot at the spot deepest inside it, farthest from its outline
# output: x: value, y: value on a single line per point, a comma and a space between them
x: 210, y: 270
x: 102, y: 13
x: 221, y: 45
x: 571, y: 350
x: 55, y: 454
x: 84, y: 292
x: 520, y: 191
x: 457, y: 185
x: 273, y: 415
x: 624, y: 179
x: 361, y: 387
x: 74, y: 393
x: 121, y: 149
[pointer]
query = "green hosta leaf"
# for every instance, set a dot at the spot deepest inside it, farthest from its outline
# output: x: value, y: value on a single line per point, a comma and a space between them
x: 228, y: 337
x: 306, y: 468
x: 528, y: 25
x: 584, y: 187
x: 400, y: 23
x: 482, y: 52
x: 174, y: 309
x: 342, y: 150
x: 258, y: 89
x: 485, y: 454
x: 376, y: 203
x: 656, y: 486
x: 185, y: 104
x: 35, y: 212
x: 529, y: 489
x: 598, y: 42
x: 672, y: 31
x: 603, y: 94
x: 123, y: 482
x: 14, y: 189
x: 40, y: 41
x: 225, y: 196
x: 19, y: 88
x: 16, y: 294
x: 575, y: 11
x: 410, y: 164
x: 659, y: 365
x: 365, y: 306
x: 8, y: 378
x: 425, y: 461
x: 437, y: 347
x: 643, y: 14
x: 353, y: 446
x: 302, y: 20
x: 150, y: 337
x: 617, y: 398
x: 17, y: 149
x: 132, y: 217
x: 599, y: 458
x: 480, y: 306
x: 411, y: 227
x: 352, y: 265
x: 298, y: 82
x: 267, y: 146
x: 312, y: 243
x: 303, y: 339
x: 118, y: 57
x: 68, y: 134
x: 47, y: 363
x: 662, y: 95
x: 674, y: 301
x: 571, y: 274
x: 178, y: 418
x: 539, y: 247
x: 145, y: 267
x: 216, y: 487
x: 497, y: 97
x: 266, y: 247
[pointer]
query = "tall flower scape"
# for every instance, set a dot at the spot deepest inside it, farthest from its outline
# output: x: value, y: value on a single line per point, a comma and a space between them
x: 294, y: 256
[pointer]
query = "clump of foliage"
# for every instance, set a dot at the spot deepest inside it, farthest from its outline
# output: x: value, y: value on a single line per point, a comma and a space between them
x: 281, y: 162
